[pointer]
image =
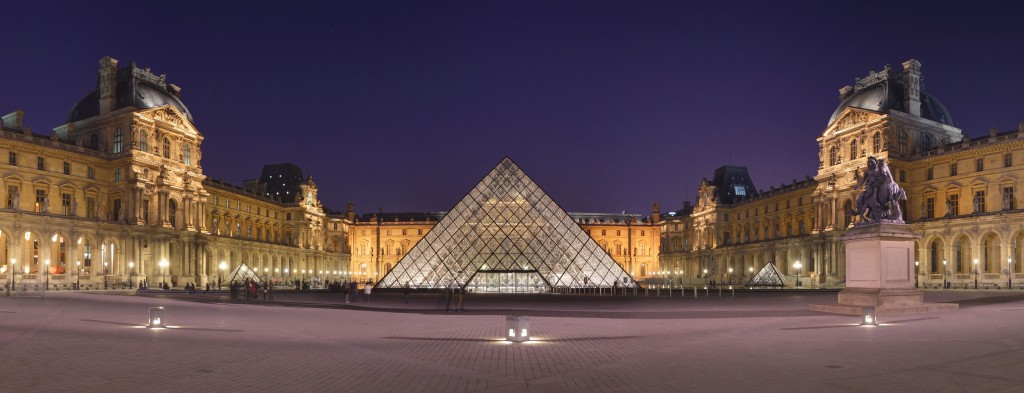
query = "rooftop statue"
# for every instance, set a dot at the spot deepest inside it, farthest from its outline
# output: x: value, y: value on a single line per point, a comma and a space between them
x: 879, y: 200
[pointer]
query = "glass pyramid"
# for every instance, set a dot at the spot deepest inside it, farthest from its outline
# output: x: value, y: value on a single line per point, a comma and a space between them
x: 243, y: 272
x: 506, y: 236
x: 768, y: 277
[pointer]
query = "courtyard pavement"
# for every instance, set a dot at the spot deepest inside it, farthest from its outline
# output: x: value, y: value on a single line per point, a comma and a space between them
x: 312, y: 342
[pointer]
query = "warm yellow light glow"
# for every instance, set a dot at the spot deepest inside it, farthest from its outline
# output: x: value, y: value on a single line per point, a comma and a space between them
x: 80, y: 240
x: 223, y: 265
x: 54, y: 238
x: 28, y: 235
x: 511, y: 332
x: 27, y: 269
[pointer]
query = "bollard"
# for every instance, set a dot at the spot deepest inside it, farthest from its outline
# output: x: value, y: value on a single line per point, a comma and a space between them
x: 517, y: 326
x: 707, y: 292
x: 733, y: 290
x: 694, y: 291
x: 670, y: 291
x: 719, y: 291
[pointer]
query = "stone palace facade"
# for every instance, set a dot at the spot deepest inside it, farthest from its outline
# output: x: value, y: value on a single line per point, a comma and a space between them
x: 118, y: 195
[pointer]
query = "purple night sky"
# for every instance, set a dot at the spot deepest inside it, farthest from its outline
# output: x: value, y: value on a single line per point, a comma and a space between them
x: 608, y: 106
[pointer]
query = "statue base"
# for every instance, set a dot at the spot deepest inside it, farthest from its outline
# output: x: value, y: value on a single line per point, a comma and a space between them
x: 880, y: 273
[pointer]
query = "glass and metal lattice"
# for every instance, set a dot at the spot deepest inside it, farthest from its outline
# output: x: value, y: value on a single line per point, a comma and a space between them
x: 769, y: 276
x: 506, y: 236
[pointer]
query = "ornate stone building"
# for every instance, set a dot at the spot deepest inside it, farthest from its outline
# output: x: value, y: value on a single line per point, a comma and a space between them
x: 118, y: 194
x: 961, y: 198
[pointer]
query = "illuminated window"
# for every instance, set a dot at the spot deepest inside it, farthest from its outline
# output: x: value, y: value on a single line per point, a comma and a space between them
x: 187, y: 152
x: 979, y: 165
x: 12, y: 158
x: 67, y: 168
x: 167, y: 148
x: 876, y: 143
x: 40, y: 163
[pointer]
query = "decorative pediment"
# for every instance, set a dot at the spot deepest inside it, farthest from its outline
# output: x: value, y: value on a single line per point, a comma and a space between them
x: 168, y: 115
x: 1006, y: 180
x: 851, y: 117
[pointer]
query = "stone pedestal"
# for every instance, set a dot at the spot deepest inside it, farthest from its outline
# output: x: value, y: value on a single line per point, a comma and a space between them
x: 880, y: 273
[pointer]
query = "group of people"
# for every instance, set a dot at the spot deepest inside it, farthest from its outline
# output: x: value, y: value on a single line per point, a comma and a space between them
x: 454, y: 293
x: 250, y: 290
x: 351, y: 290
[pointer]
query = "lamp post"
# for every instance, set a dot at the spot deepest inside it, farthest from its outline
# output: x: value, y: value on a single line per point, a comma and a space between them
x: 798, y: 266
x: 944, y: 274
x: 104, y: 275
x: 975, y: 274
x: 917, y: 268
x: 705, y: 278
x: 220, y: 270
x: 78, y: 274
x: 163, y: 267
x: 131, y: 275
x: 47, y: 274
x: 1009, y: 273
x: 730, y: 275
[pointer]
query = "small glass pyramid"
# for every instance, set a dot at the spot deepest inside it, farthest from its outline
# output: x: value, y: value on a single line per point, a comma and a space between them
x: 506, y: 236
x: 768, y: 277
x: 243, y: 272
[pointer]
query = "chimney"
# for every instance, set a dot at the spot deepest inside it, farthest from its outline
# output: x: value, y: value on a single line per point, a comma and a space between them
x: 108, y: 84
x: 686, y: 205
x: 912, y: 87
x: 351, y: 208
x: 844, y: 93
x: 175, y: 90
x: 655, y: 212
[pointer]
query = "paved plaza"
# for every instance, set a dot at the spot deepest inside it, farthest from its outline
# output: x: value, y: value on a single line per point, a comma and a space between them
x: 313, y: 342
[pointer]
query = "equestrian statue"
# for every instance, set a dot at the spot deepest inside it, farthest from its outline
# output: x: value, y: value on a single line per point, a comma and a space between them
x: 879, y: 201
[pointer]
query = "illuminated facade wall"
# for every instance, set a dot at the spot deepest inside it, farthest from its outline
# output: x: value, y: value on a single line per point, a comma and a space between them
x: 963, y: 198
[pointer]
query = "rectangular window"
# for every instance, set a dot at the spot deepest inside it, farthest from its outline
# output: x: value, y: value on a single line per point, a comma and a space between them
x: 952, y: 169
x: 1008, y: 202
x: 980, y: 164
x: 979, y: 201
x: 40, y: 163
x: 116, y: 210
x: 618, y: 232
x: 389, y: 232
x: 336, y: 227
x: 65, y: 203
x: 929, y: 208
x: 90, y: 207
x: 931, y: 173
x: 602, y: 232
x: 419, y: 232
x: 90, y: 173
x: 216, y: 200
x: 953, y: 205
x: 903, y: 176
x: 40, y: 200
x: 1008, y: 160
x: 643, y: 233
x: 117, y: 175
x: 145, y: 212
x: 288, y: 217
x: 67, y: 168
x: 12, y: 158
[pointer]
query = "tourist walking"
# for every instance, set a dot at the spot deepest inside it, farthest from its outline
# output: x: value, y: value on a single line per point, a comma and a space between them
x: 405, y: 291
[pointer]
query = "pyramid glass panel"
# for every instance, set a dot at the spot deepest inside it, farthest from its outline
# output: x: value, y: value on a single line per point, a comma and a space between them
x: 506, y: 235
x: 768, y: 277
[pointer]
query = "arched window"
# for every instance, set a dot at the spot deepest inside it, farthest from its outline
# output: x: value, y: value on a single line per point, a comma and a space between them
x: 118, y: 141
x: 172, y: 210
x: 167, y: 148
x: 876, y: 143
x: 187, y: 152
x: 936, y: 256
x: 834, y: 155
x: 853, y: 150
x: 143, y: 141
x: 643, y: 269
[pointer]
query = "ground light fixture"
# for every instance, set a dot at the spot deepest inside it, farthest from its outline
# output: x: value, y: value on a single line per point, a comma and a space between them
x: 156, y: 318
x: 517, y: 328
x: 868, y: 317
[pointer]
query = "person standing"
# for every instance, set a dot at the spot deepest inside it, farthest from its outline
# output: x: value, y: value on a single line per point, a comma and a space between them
x: 460, y: 297
x: 405, y: 291
x: 345, y: 290
x: 367, y: 290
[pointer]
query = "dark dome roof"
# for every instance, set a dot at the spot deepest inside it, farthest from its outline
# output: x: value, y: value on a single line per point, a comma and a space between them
x: 888, y: 94
x: 135, y: 88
